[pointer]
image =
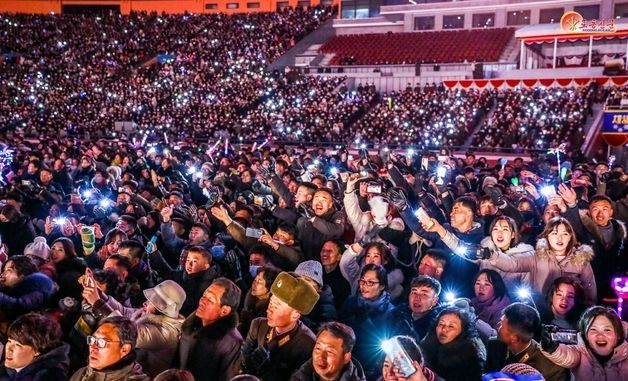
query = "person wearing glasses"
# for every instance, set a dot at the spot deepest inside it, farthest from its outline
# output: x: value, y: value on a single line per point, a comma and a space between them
x: 367, y: 312
x: 112, y: 353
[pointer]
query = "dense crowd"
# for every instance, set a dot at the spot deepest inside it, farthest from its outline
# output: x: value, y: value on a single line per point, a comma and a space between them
x: 124, y: 260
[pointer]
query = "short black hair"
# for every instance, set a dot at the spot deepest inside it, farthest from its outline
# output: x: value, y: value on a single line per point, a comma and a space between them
x: 340, y: 331
x: 427, y: 281
x: 125, y: 328
x: 261, y: 249
x: 601, y: 197
x: 232, y: 294
x: 467, y: 202
x: 136, y: 249
x: 523, y: 320
x: 121, y: 261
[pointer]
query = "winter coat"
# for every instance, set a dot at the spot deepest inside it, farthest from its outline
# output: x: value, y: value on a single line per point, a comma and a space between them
x: 610, y: 257
x: 16, y: 235
x: 127, y: 369
x: 210, y: 352
x: 351, y: 264
x: 252, y: 308
x: 157, y: 335
x: 50, y: 366
x: 403, y: 323
x: 544, y: 268
x: 324, y: 310
x: 490, y: 311
x: 499, y: 356
x: 32, y: 293
x: 194, y: 285
x: 352, y: 371
x: 584, y: 366
x: 285, y: 356
x: 339, y: 285
x: 462, y: 359
x: 315, y: 231
x: 367, y: 318
x: 175, y: 243
x: 362, y: 222
x: 511, y: 279
x: 69, y: 270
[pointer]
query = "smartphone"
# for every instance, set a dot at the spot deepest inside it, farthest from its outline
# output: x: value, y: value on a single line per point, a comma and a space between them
x: 253, y: 233
x: 423, y: 217
x: 425, y: 162
x: 150, y: 246
x: 88, y: 280
x: 400, y: 359
x: 374, y: 189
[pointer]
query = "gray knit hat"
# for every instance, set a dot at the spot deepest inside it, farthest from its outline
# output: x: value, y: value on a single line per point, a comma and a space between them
x: 312, y: 270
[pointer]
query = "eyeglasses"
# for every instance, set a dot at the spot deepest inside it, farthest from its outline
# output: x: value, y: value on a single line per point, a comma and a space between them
x: 370, y: 283
x: 99, y: 341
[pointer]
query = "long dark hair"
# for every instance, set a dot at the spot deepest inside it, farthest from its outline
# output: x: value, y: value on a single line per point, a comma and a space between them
x: 496, y: 280
x: 579, y: 306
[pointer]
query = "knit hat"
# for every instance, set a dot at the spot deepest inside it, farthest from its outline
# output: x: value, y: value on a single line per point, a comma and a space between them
x: 379, y: 208
x: 297, y: 293
x: 167, y: 297
x: 520, y: 369
x: 312, y: 270
x: 38, y: 248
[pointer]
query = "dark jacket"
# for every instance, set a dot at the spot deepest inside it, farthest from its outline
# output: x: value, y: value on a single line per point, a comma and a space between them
x: 324, y: 310
x: 460, y: 360
x: 252, y: 308
x: 210, y: 352
x: 50, y: 366
x: 285, y: 356
x: 610, y: 257
x: 499, y: 356
x: 368, y: 318
x: 339, y: 285
x: 315, y: 231
x: 402, y: 322
x: 127, y: 369
x: 351, y: 372
x: 194, y: 285
x: 69, y: 270
x: 32, y: 293
x: 16, y: 235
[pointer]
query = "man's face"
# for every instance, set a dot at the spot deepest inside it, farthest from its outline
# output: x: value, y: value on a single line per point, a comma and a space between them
x: 113, y: 351
x: 112, y: 264
x: 45, y: 177
x: 197, y: 235
x: 504, y: 333
x: 209, y: 307
x: 429, y: 266
x: 125, y: 227
x: 322, y: 203
x: 487, y: 208
x: 328, y: 357
x: 279, y: 314
x: 422, y: 299
x: 31, y: 169
x: 330, y: 255
x: 302, y: 195
x: 460, y: 216
x: 601, y: 212
x: 123, y: 198
x: 256, y: 259
x: 283, y: 237
x: 9, y: 276
x: 195, y: 262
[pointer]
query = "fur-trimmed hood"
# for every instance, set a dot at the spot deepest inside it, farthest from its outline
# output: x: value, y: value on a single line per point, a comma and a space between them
x: 194, y: 326
x: 618, y: 226
x: 579, y: 255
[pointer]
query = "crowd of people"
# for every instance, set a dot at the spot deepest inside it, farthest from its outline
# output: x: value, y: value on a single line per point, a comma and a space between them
x: 216, y: 262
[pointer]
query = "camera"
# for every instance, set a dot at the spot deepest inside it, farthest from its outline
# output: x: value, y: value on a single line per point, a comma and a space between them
x: 564, y: 336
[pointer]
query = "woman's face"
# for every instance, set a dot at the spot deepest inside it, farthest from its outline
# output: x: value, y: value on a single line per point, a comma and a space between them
x: 373, y: 256
x: 449, y: 327
x: 57, y: 253
x: 259, y: 285
x: 601, y: 336
x: 112, y: 246
x: 559, y: 240
x: 564, y: 299
x: 502, y: 235
x: 484, y: 290
x: 18, y: 356
x: 370, y: 288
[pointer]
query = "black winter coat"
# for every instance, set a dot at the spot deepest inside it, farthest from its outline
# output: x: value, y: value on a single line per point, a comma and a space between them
x: 351, y: 372
x: 69, y: 270
x: 460, y: 360
x: 210, y: 352
x: 16, y: 235
x: 30, y: 294
x: 324, y: 310
x: 50, y: 366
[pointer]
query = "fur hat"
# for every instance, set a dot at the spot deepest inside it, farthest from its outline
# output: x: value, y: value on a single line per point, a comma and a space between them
x: 38, y: 248
x: 489, y: 181
x: 295, y: 292
x: 312, y: 270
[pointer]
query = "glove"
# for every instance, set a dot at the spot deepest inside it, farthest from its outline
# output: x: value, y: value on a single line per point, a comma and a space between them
x: 496, y: 196
x: 264, y: 172
x: 547, y: 343
x: 257, y: 359
x: 398, y: 199
x: 306, y: 210
x: 233, y: 267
